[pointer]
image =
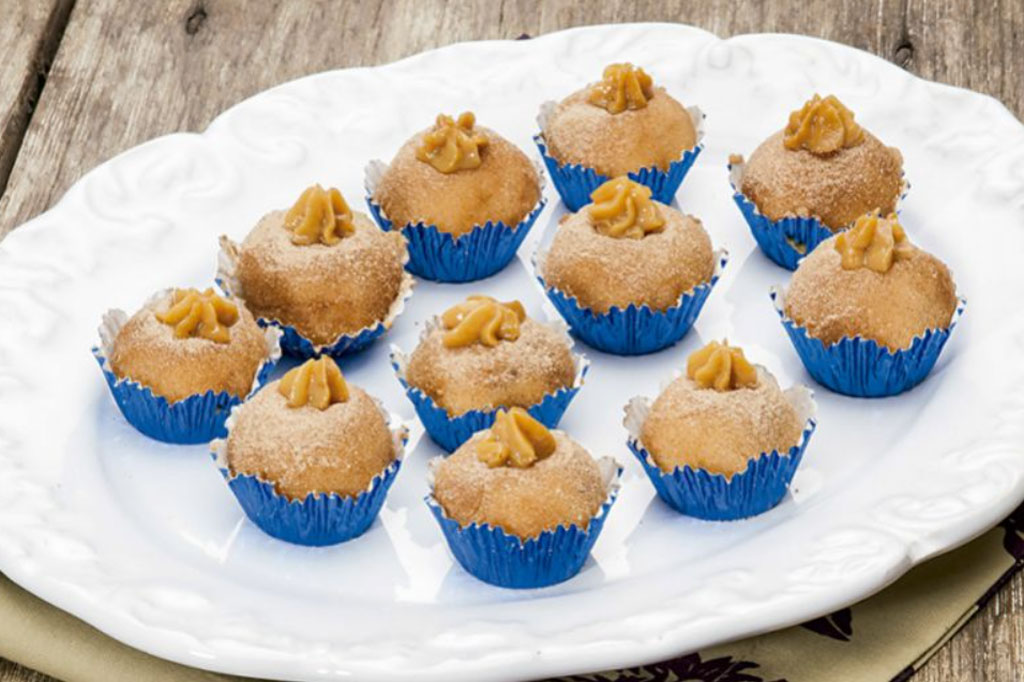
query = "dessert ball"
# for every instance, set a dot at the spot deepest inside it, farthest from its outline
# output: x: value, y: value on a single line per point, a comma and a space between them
x: 187, y: 342
x: 824, y: 165
x: 520, y: 477
x: 311, y: 432
x: 320, y: 267
x: 457, y: 175
x: 871, y: 282
x: 619, y: 125
x: 628, y: 249
x: 721, y: 414
x: 483, y: 354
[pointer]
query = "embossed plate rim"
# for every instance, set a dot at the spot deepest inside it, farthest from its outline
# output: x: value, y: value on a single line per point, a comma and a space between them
x: 611, y: 644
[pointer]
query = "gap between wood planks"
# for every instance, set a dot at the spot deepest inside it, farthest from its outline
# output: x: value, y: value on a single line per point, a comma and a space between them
x: 972, y: 43
x: 32, y: 89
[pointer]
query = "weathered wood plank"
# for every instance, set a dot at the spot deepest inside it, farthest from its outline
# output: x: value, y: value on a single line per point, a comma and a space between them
x: 990, y: 647
x: 196, y: 59
x: 123, y: 75
x: 29, y: 35
x: 126, y: 72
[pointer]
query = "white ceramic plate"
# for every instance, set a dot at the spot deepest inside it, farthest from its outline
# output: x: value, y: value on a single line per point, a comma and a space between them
x: 145, y: 542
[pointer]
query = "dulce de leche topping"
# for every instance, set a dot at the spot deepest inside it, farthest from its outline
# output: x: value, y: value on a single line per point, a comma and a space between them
x: 822, y: 126
x: 623, y: 208
x: 721, y: 367
x: 873, y: 242
x: 320, y: 216
x: 317, y: 383
x: 201, y: 314
x: 482, y: 319
x: 622, y: 87
x: 516, y: 439
x: 452, y: 145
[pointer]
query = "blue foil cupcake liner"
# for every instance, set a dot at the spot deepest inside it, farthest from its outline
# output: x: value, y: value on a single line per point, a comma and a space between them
x: 296, y: 345
x: 786, y: 240
x: 576, y: 182
x: 452, y: 431
x: 443, y: 257
x: 293, y: 342
x: 317, y: 520
x: 196, y: 419
x: 860, y: 367
x: 490, y: 554
x: 635, y: 330
x: 715, y: 497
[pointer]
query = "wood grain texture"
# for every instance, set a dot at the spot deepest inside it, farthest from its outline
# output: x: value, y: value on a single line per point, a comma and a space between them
x: 126, y: 72
x: 29, y: 34
x: 123, y: 75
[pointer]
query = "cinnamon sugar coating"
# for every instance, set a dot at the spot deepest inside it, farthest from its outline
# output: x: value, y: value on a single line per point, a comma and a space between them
x: 563, y: 489
x: 578, y: 132
x: 147, y: 351
x: 892, y: 307
x: 837, y: 188
x: 504, y: 187
x: 323, y: 291
x: 513, y: 373
x: 602, y: 271
x: 304, y: 450
x: 719, y: 431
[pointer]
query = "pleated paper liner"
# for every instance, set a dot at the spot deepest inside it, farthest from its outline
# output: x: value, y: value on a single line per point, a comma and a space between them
x: 496, y: 557
x: 576, y: 182
x: 860, y: 367
x: 443, y: 257
x: 635, y: 330
x: 715, y: 497
x: 318, y: 519
x: 293, y: 343
x: 195, y: 419
x: 786, y: 240
x: 451, y: 431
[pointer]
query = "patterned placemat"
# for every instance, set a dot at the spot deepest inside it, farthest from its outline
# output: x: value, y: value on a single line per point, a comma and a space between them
x: 886, y: 637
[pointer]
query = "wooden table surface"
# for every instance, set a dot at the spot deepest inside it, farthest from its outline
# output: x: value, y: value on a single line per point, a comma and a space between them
x: 80, y: 82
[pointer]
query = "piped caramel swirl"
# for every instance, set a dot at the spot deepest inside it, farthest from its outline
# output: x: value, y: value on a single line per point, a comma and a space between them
x: 200, y: 314
x: 873, y: 242
x: 822, y: 126
x: 623, y: 208
x: 482, y: 319
x: 317, y: 383
x: 516, y: 439
x: 453, y: 145
x: 721, y: 367
x: 622, y: 86
x: 319, y: 216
